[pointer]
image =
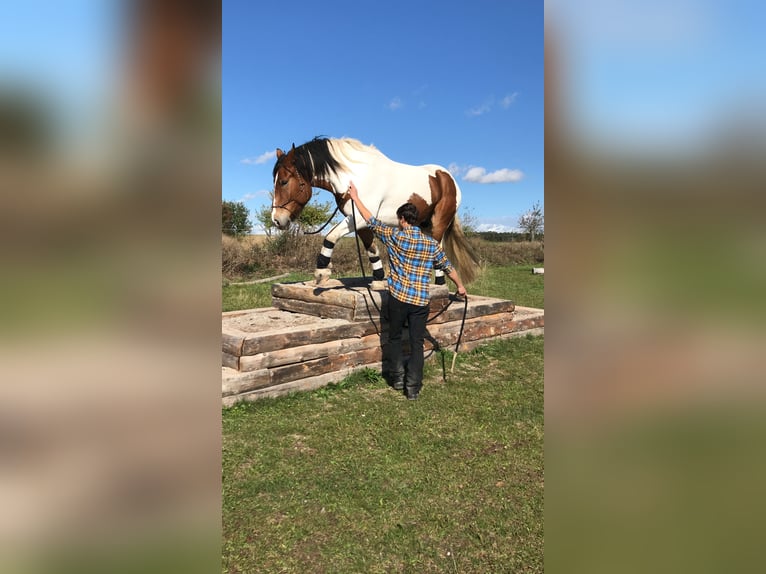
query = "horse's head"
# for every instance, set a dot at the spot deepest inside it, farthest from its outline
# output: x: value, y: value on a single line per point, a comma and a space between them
x: 291, y: 190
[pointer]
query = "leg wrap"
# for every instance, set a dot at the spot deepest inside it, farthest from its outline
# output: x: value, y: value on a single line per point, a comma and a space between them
x: 377, y: 267
x: 439, y: 277
x: 323, y: 259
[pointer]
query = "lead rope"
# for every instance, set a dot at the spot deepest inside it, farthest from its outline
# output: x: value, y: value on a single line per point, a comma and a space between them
x: 460, y: 334
x: 325, y: 225
x: 434, y: 342
x: 361, y: 267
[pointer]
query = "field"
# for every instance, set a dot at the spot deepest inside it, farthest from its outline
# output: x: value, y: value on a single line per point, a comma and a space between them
x: 355, y: 478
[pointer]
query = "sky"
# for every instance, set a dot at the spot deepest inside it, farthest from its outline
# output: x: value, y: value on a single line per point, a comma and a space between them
x: 659, y: 77
x: 454, y: 83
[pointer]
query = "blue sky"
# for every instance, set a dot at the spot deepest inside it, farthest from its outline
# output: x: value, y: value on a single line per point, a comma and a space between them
x: 453, y: 83
x: 426, y: 82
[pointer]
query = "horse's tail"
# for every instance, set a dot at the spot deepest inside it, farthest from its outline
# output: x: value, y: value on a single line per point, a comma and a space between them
x: 460, y: 252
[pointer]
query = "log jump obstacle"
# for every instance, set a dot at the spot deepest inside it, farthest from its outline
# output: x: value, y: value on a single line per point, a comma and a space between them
x: 314, y: 335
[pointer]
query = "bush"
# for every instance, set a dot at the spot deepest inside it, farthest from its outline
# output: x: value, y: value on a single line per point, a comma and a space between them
x: 242, y: 258
x: 509, y: 252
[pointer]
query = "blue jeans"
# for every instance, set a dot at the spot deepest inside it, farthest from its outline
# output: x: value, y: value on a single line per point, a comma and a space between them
x: 393, y: 361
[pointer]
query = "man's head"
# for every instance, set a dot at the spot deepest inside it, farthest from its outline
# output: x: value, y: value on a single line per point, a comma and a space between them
x: 408, y: 212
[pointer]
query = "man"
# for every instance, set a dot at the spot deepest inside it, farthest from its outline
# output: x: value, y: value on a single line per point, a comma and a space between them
x: 411, y: 255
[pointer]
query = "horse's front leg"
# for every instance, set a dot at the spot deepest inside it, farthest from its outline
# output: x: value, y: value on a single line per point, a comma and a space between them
x: 367, y: 237
x: 324, y: 265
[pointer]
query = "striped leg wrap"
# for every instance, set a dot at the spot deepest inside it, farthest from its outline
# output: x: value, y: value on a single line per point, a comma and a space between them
x: 439, y: 277
x: 377, y: 265
x: 325, y: 254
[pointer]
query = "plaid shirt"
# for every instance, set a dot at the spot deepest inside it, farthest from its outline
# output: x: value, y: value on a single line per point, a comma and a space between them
x: 411, y: 255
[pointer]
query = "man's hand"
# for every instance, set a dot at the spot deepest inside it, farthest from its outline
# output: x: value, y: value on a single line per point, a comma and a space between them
x: 353, y: 192
x: 458, y: 283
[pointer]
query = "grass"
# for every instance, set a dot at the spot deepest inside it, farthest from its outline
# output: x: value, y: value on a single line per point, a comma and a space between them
x: 254, y: 295
x: 514, y: 282
x: 355, y: 478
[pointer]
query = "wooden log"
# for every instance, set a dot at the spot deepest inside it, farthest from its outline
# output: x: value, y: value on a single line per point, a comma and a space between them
x: 478, y: 327
x: 232, y: 341
x: 327, y: 330
x: 229, y: 360
x: 356, y: 294
x: 324, y: 310
x: 235, y: 383
x: 323, y: 365
x: 340, y: 296
x: 307, y: 384
x: 367, y: 306
x: 307, y: 352
x: 477, y: 307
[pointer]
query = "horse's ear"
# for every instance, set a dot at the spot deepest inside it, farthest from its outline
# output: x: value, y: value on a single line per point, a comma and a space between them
x: 280, y: 153
x: 291, y: 154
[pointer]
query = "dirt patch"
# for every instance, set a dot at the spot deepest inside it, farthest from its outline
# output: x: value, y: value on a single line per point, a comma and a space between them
x: 269, y: 319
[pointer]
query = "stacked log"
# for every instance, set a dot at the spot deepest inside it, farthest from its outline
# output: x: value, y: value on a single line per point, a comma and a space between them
x: 314, y: 336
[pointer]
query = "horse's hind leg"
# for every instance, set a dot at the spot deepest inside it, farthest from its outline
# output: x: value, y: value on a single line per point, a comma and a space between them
x: 372, y: 252
x: 444, y: 196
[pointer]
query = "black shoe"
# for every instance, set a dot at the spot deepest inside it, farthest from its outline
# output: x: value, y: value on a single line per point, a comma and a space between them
x: 412, y: 393
x: 398, y: 385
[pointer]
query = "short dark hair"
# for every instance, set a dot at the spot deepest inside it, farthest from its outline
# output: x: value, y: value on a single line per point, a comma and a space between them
x: 409, y: 212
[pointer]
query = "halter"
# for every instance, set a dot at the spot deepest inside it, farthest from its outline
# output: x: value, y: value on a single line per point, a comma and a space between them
x: 301, y: 185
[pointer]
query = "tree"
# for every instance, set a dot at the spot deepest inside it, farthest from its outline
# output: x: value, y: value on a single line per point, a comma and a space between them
x: 313, y: 216
x: 532, y: 222
x: 468, y: 221
x: 234, y: 218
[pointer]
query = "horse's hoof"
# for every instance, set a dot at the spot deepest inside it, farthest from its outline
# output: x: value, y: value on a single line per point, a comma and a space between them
x: 321, y: 275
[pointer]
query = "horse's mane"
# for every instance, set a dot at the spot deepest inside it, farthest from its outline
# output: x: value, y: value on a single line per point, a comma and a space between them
x: 346, y: 147
x: 314, y: 159
x: 322, y: 157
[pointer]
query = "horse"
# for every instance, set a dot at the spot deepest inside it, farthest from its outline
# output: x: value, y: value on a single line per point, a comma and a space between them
x: 384, y: 185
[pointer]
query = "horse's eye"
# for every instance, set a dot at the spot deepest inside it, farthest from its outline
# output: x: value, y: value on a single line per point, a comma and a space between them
x: 283, y: 182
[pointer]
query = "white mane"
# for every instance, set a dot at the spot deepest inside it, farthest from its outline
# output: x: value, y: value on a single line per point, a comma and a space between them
x: 350, y: 150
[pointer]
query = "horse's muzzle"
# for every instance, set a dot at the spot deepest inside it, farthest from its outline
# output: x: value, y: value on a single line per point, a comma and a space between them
x: 280, y: 218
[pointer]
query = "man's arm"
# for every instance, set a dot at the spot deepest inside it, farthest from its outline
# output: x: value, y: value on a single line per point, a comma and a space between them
x: 354, y: 193
x: 456, y: 280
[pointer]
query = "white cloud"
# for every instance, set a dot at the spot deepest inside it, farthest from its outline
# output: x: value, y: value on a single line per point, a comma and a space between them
x: 263, y: 158
x: 480, y: 110
x: 455, y: 169
x: 255, y: 195
x: 395, y: 104
x: 505, y: 175
x: 508, y: 100
x: 497, y: 227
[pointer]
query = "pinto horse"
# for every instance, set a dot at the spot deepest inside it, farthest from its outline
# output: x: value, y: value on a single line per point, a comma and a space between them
x: 383, y: 186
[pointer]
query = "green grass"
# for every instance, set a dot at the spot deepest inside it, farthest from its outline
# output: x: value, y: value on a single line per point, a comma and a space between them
x: 513, y: 282
x: 355, y: 478
x: 254, y: 295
